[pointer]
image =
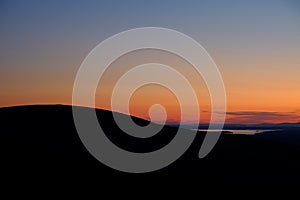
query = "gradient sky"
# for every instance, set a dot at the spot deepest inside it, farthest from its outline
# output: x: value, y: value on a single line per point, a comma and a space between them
x: 255, y: 44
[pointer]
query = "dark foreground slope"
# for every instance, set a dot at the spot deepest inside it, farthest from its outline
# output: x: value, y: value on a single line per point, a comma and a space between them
x: 41, y: 141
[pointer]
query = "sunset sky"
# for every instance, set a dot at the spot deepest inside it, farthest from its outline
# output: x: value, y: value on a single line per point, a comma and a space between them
x: 255, y: 44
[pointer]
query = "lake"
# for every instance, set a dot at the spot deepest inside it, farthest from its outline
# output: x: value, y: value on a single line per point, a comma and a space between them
x: 244, y: 132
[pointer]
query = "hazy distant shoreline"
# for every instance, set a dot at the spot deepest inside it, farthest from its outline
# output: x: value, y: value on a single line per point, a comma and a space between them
x: 242, y: 132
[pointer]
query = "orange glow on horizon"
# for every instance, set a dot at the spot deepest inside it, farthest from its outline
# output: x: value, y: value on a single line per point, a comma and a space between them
x: 260, y: 95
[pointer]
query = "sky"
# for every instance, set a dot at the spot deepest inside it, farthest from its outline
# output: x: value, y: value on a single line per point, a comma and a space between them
x: 255, y: 45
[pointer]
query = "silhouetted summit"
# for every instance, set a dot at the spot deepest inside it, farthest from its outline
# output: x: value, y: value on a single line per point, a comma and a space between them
x: 42, y: 140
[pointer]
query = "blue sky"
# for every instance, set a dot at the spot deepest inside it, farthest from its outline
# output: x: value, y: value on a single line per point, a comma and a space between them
x: 44, y: 42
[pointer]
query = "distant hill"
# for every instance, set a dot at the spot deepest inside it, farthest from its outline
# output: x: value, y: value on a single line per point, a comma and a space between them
x: 42, y: 141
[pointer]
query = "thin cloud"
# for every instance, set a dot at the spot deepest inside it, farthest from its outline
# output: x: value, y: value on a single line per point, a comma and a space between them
x: 260, y: 117
x: 258, y: 113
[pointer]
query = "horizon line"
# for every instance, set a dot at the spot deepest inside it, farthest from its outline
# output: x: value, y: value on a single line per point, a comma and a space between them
x: 158, y: 122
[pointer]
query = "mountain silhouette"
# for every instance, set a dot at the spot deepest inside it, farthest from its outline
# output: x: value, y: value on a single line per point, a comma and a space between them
x: 41, y: 140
